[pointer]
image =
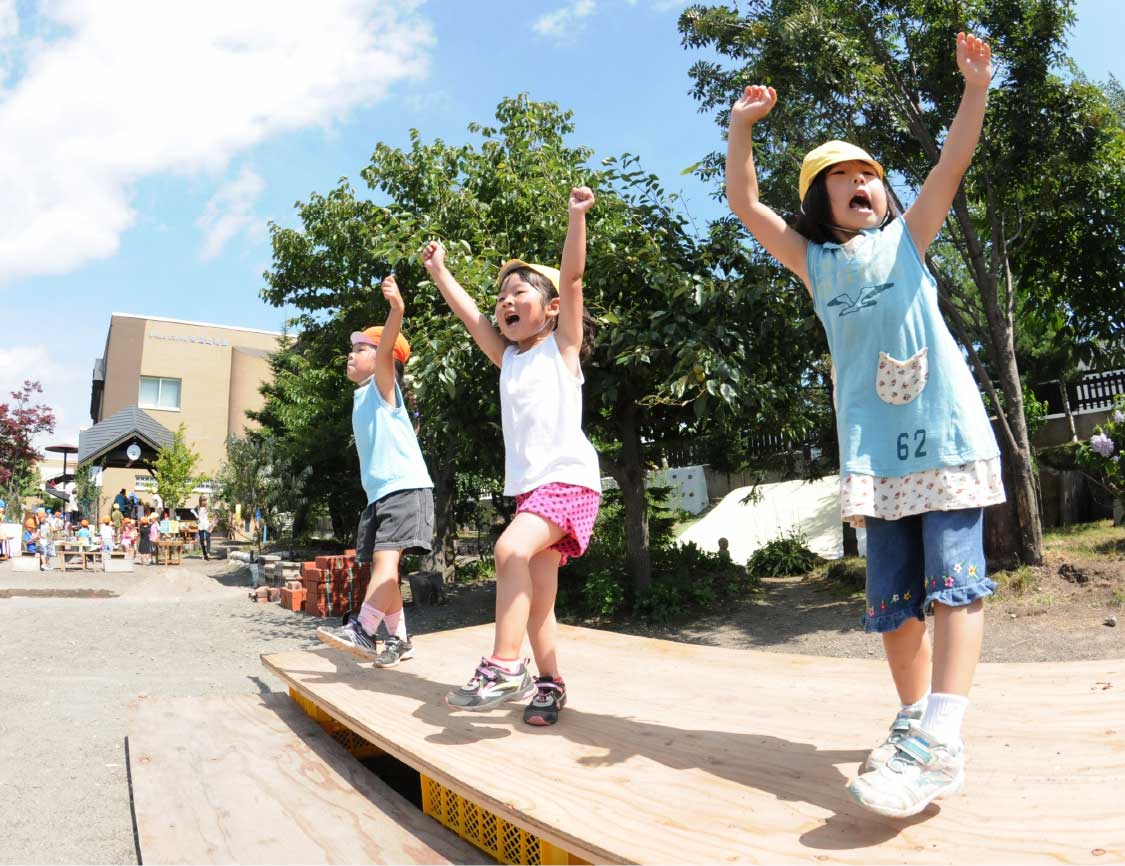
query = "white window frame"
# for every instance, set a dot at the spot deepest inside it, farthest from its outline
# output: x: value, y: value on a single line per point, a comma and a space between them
x: 160, y: 380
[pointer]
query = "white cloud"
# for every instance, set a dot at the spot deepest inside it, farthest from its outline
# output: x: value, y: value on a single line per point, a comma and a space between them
x: 66, y: 388
x: 134, y: 88
x: 231, y: 211
x: 564, y: 22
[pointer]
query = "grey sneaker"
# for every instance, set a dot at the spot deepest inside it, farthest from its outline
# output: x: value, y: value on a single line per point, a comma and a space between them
x: 395, y: 650
x: 349, y: 637
x: 920, y: 771
x: 491, y: 686
x: 904, y: 722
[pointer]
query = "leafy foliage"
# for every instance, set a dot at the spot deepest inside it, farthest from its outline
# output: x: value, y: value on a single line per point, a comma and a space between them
x: 788, y: 554
x: 20, y: 422
x: 175, y: 471
x: 1101, y: 456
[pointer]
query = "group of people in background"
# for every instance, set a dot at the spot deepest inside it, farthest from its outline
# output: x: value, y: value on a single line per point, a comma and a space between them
x: 132, y: 526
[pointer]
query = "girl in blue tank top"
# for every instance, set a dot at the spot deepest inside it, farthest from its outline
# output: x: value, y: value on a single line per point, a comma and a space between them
x: 918, y: 458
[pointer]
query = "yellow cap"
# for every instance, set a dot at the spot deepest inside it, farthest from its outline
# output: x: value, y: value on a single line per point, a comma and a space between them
x: 830, y: 153
x: 552, y: 274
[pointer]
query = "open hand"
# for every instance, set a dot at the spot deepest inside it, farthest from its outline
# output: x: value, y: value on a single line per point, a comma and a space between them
x: 433, y: 257
x: 392, y: 294
x: 756, y: 102
x: 974, y: 59
x: 581, y: 200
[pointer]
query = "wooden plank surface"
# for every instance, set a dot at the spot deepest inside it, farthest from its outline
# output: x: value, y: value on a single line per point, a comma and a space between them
x: 252, y: 779
x: 669, y: 752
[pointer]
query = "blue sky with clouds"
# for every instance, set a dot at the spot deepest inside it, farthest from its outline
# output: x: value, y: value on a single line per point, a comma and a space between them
x: 146, y: 145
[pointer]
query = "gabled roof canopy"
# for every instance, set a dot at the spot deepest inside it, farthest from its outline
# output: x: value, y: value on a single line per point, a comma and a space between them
x: 107, y: 441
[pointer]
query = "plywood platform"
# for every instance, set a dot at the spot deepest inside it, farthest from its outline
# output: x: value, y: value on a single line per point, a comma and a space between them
x: 252, y: 779
x: 669, y: 752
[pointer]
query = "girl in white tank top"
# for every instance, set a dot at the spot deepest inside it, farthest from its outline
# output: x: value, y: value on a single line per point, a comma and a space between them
x: 549, y: 464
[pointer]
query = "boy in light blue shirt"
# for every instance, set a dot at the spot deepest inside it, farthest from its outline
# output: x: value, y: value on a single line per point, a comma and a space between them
x: 400, y: 504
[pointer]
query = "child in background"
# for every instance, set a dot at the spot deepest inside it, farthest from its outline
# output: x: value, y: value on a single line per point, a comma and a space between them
x: 128, y: 536
x: 549, y: 465
x: 144, y: 543
x: 154, y: 537
x: 400, y: 504
x: 84, y: 534
x: 918, y: 458
x: 107, y: 535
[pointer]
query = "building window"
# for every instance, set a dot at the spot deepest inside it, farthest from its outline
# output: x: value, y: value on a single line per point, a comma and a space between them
x: 157, y: 393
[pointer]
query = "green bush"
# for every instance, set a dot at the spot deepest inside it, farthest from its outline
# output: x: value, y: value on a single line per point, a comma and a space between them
x: 685, y: 578
x: 850, y: 574
x: 788, y: 554
x: 476, y: 570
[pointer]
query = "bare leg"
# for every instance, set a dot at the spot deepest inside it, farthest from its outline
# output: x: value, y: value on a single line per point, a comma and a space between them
x: 542, y: 630
x: 527, y: 535
x: 909, y: 655
x: 383, y: 592
x: 958, y: 634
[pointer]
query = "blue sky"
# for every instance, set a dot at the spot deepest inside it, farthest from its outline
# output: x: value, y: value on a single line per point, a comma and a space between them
x: 152, y: 145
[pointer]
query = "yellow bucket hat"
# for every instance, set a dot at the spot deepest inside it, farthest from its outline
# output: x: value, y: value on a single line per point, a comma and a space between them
x: 552, y: 274
x: 830, y: 153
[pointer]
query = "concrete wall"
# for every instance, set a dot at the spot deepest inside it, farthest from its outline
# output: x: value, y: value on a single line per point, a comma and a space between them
x: 1056, y: 431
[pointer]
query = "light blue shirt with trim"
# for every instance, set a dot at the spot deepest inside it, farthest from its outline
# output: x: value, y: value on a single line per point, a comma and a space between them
x: 905, y: 398
x: 389, y: 457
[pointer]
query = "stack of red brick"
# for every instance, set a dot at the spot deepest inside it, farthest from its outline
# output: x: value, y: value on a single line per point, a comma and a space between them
x: 331, y: 585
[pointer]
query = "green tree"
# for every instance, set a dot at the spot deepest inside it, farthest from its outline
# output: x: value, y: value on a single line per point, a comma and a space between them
x: 674, y: 358
x: 175, y: 471
x: 1037, y: 228
x: 258, y: 477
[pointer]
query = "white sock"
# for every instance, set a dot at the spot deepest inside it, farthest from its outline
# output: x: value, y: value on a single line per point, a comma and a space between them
x: 919, y: 705
x: 943, y: 717
x: 370, y: 617
x: 396, y: 623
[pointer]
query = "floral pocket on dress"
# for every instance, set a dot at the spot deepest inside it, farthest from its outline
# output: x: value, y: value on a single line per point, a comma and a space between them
x: 898, y: 382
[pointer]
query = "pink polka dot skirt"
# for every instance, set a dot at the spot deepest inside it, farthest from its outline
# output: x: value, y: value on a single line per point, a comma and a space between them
x: 571, y: 508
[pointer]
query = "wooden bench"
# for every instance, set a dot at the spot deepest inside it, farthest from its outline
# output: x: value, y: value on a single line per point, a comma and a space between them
x: 169, y: 547
x: 253, y: 779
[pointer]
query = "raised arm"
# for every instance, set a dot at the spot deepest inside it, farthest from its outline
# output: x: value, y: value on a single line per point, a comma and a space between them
x: 781, y: 241
x: 385, y: 354
x: 481, y: 329
x: 569, y: 332
x: 924, y: 218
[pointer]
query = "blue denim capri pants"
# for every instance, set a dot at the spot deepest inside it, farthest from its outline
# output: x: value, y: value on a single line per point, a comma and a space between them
x: 921, y: 559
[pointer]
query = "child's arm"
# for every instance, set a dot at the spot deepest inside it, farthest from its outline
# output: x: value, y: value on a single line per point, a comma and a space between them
x: 781, y: 241
x: 385, y: 354
x: 481, y: 329
x: 569, y: 332
x: 924, y: 218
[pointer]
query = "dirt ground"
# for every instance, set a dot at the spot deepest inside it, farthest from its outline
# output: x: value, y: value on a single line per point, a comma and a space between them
x: 75, y: 649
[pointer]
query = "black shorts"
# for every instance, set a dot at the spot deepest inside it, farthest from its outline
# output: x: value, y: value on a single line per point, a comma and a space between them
x: 403, y: 520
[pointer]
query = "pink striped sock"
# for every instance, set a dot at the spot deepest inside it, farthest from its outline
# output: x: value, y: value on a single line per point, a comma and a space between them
x: 370, y: 617
x: 396, y: 623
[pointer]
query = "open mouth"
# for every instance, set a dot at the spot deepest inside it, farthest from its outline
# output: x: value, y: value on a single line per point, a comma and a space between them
x: 511, y: 319
x: 861, y: 202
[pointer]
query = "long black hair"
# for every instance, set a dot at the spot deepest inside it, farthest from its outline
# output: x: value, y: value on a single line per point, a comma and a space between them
x: 548, y: 291
x: 814, y: 220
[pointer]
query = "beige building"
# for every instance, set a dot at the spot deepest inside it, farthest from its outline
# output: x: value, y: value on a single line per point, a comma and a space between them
x: 200, y: 375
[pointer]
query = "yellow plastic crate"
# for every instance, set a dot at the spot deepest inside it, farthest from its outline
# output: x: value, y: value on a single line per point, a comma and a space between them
x: 501, y: 840
x: 338, y: 731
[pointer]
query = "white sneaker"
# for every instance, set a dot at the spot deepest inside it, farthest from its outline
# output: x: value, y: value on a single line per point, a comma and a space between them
x: 901, y: 727
x: 920, y: 771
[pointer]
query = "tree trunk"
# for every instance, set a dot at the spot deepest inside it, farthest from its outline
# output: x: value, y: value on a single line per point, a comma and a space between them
x: 443, y: 556
x: 630, y: 476
x: 1066, y: 409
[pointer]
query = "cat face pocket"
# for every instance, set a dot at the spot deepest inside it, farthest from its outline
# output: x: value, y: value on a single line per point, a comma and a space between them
x: 898, y: 382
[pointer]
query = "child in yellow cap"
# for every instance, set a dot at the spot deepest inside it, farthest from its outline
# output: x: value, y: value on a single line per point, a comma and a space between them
x: 400, y: 504
x: 918, y: 458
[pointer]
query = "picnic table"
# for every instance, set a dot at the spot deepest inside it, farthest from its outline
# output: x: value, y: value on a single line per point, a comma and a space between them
x: 169, y: 547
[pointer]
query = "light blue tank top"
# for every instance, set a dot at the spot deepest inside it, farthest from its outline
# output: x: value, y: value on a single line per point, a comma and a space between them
x: 389, y: 457
x: 905, y: 399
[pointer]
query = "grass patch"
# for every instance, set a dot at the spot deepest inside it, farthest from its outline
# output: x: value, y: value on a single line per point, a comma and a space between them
x: 846, y: 576
x: 1097, y: 540
x: 1017, y: 581
x: 1118, y: 597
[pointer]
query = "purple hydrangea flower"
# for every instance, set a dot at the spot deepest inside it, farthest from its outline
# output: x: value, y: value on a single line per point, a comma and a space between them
x: 1102, y: 444
x: 1119, y: 416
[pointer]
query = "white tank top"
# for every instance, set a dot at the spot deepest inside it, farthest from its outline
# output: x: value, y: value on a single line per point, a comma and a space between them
x: 541, y: 409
